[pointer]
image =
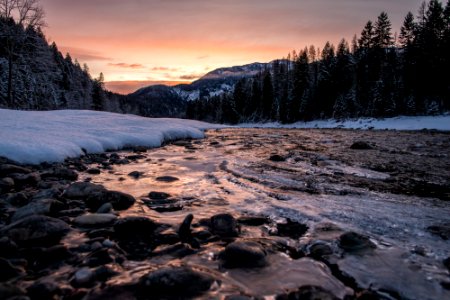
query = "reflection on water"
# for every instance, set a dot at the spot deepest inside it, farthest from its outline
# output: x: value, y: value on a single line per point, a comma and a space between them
x: 319, y: 181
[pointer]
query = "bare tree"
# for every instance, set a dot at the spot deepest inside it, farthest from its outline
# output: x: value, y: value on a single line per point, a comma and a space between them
x: 18, y: 17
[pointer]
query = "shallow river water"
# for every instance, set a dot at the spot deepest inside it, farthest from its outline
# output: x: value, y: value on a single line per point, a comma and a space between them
x: 389, y: 193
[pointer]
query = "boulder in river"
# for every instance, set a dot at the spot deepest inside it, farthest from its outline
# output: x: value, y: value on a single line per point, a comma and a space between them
x: 95, y: 220
x: 119, y: 200
x: 352, y: 241
x: 81, y: 190
x: 175, y: 282
x: 224, y: 225
x: 36, y: 230
x: 244, y: 254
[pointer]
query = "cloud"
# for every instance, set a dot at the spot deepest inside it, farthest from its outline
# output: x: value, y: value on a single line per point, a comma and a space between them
x: 190, y: 76
x: 164, y: 69
x: 125, y: 65
x: 84, y: 54
x: 127, y: 87
x: 203, y: 57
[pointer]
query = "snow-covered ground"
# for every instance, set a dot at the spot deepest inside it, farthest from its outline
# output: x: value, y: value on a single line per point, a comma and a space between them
x: 38, y: 136
x: 34, y: 137
x: 397, y: 123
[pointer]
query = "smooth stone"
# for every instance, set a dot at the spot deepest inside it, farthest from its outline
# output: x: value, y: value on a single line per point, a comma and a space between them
x: 167, y: 178
x: 319, y: 249
x: 6, y: 184
x: 18, y: 199
x: 277, y: 158
x: 7, y: 169
x: 84, y: 276
x: 442, y: 230
x: 244, y: 254
x: 132, y: 227
x: 253, y: 220
x: 224, y: 225
x: 81, y: 190
x: 184, y: 231
x: 178, y: 282
x: 38, y: 207
x: 36, y: 230
x: 119, y: 200
x: 95, y: 220
x: 352, y: 241
x: 93, y: 171
x: 135, y: 174
x: 44, y: 289
x: 291, y: 229
x: 61, y: 173
x: 105, y: 208
x: 361, y: 145
x: 158, y: 195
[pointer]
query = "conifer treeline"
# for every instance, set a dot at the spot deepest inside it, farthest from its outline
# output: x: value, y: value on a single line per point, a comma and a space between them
x: 378, y: 75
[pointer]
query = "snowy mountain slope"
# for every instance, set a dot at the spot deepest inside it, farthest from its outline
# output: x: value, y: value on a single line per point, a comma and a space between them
x: 214, y: 83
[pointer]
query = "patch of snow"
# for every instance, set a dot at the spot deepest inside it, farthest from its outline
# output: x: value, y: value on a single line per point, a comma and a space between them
x: 398, y: 123
x: 37, y: 136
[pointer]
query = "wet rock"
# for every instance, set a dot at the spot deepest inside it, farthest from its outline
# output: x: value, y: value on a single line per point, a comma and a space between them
x: 241, y: 297
x: 83, y: 277
x: 442, y: 230
x: 48, y: 193
x: 7, y: 169
x: 11, y: 291
x: 135, y: 174
x: 446, y: 263
x: 36, y: 230
x: 7, y: 247
x: 253, y: 220
x: 158, y: 195
x: 224, y: 225
x: 8, y: 271
x: 244, y: 255
x: 22, y: 180
x: 38, y: 207
x: 130, y: 227
x: 361, y: 145
x: 18, y: 199
x: 178, y: 282
x: 352, y: 241
x: 61, y: 173
x: 95, y: 220
x: 167, y: 208
x: 319, y: 249
x: 100, y: 257
x: 277, y: 158
x: 167, y: 178
x: 184, y: 231
x: 105, y: 208
x: 74, y: 212
x: 93, y: 171
x: 6, y: 184
x: 291, y: 229
x: 81, y: 190
x: 308, y: 293
x: 119, y: 200
x: 179, y: 251
x: 44, y: 289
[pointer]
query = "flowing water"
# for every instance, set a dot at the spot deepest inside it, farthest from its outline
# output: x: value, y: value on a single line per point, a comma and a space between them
x: 318, y: 181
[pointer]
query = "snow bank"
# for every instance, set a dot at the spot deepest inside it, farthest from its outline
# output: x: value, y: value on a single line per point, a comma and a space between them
x: 37, y: 136
x: 397, y: 123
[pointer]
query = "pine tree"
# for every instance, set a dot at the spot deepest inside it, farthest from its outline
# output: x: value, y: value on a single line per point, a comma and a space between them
x: 367, y: 39
x: 267, y: 96
x: 407, y: 31
x: 382, y: 31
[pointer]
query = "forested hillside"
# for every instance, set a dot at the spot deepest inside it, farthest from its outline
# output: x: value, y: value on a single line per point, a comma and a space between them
x: 377, y: 74
x: 35, y: 75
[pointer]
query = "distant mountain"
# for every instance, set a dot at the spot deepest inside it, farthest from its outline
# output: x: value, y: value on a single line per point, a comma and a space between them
x: 171, y: 101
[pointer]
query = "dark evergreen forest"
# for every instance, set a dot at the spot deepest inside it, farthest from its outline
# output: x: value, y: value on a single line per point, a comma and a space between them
x: 377, y: 74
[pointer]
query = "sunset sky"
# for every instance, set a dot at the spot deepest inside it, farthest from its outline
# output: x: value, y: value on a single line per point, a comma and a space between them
x: 139, y: 42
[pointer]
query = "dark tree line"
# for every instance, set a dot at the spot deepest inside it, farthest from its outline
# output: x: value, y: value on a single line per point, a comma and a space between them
x: 35, y: 75
x: 378, y: 75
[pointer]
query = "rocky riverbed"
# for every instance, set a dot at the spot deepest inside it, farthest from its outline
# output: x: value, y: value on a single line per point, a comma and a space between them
x: 242, y: 214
